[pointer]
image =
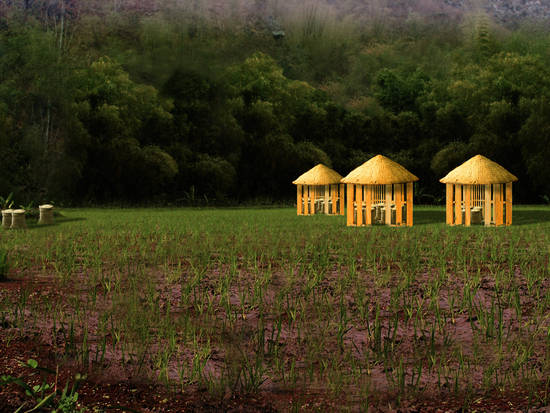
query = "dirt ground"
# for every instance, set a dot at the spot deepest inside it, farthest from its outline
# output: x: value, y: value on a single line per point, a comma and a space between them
x: 109, y: 391
x: 98, y: 394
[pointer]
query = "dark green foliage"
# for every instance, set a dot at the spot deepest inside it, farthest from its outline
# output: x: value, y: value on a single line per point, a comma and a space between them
x: 3, y: 264
x: 399, y: 94
x: 46, y: 396
x: 176, y: 106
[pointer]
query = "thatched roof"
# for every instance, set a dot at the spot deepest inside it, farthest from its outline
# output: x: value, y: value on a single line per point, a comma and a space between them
x: 478, y: 170
x: 379, y: 171
x: 319, y: 175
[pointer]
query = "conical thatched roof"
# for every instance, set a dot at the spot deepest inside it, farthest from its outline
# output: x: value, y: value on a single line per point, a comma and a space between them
x: 379, y: 171
x: 319, y: 175
x: 478, y: 170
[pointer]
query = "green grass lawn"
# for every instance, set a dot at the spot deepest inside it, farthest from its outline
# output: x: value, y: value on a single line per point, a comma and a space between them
x: 261, y: 300
x: 147, y: 218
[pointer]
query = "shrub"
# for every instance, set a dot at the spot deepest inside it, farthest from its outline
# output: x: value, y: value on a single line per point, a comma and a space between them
x: 3, y: 264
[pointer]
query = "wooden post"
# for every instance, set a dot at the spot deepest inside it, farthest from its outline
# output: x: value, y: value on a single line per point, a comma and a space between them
x: 467, y: 206
x: 450, y: 202
x: 458, y: 204
x: 409, y: 203
x: 398, y: 194
x: 509, y: 203
x: 326, y: 200
x: 306, y: 199
x: 368, y: 203
x: 350, y: 205
x: 312, y: 198
x: 342, y: 191
x: 359, y: 201
x: 499, y: 204
x: 487, y: 206
x: 387, y: 204
x: 334, y: 190
x: 299, y: 199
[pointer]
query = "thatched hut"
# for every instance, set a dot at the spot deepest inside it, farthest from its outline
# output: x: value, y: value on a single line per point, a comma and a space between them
x: 319, y: 191
x: 380, y: 191
x: 479, y: 191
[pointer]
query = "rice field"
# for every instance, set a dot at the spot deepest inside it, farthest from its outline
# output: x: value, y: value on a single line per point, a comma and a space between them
x: 261, y: 301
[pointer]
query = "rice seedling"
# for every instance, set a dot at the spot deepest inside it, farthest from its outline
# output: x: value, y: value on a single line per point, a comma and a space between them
x: 228, y: 300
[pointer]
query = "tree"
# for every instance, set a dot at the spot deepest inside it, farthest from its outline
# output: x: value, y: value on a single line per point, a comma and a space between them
x: 114, y: 110
x: 534, y: 138
x: 399, y: 93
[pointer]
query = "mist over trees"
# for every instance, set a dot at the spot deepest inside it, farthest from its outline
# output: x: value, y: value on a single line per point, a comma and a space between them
x: 191, y: 102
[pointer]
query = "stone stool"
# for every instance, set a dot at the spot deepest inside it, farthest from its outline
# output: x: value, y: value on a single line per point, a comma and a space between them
x: 18, y: 219
x: 382, y: 218
x: 378, y: 214
x: 6, y: 218
x: 46, y: 214
x: 477, y: 213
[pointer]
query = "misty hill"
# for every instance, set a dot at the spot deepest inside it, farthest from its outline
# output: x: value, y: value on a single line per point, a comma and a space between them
x: 502, y: 11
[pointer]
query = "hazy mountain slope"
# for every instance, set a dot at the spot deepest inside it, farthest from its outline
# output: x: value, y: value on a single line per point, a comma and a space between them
x: 502, y: 11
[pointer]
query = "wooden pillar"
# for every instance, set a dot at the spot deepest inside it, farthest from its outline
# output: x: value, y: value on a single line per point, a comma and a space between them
x: 487, y: 205
x: 350, y: 205
x: 398, y: 195
x: 314, y: 194
x: 458, y: 204
x: 387, y: 204
x: 499, y: 204
x: 368, y: 203
x: 467, y: 206
x: 312, y: 198
x: 450, y: 203
x: 326, y: 211
x: 359, y: 201
x: 334, y: 191
x: 306, y: 199
x: 342, y: 191
x: 409, y: 203
x: 299, y: 199
x: 509, y: 203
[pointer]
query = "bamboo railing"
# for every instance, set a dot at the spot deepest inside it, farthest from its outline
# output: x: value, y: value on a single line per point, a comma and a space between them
x: 390, y: 204
x: 320, y: 199
x: 489, y: 204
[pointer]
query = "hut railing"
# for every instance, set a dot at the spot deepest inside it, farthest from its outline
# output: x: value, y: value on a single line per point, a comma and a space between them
x: 489, y: 204
x: 320, y: 199
x: 386, y: 204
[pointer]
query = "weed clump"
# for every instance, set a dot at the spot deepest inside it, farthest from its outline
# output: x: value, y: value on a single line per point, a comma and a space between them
x: 3, y: 264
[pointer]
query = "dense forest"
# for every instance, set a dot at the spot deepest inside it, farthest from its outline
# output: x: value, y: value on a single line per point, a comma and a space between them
x: 193, y: 103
